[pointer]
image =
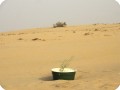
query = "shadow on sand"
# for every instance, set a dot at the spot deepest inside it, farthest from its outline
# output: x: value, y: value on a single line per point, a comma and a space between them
x: 46, y: 78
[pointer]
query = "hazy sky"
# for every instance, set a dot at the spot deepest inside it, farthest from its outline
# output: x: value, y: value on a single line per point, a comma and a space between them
x: 21, y: 14
x: 118, y: 1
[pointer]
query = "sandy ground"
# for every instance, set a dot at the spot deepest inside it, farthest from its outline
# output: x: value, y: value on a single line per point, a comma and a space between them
x: 27, y: 57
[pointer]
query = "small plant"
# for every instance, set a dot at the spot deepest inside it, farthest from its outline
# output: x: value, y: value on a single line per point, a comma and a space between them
x: 65, y: 64
x: 59, y: 24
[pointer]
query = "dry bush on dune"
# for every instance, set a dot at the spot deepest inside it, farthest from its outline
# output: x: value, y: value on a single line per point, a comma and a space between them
x: 59, y: 24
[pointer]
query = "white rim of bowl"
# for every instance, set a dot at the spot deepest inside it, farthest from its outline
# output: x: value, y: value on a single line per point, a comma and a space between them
x: 58, y: 70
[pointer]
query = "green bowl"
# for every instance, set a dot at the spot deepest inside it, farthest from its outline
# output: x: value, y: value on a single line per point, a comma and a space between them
x: 67, y: 74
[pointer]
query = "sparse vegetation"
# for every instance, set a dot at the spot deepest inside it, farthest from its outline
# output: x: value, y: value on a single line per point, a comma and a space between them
x: 74, y: 31
x: 59, y: 24
x: 43, y: 40
x: 20, y: 39
x: 35, y: 39
x: 96, y: 29
x: 87, y: 34
x: 20, y: 33
x: 95, y: 24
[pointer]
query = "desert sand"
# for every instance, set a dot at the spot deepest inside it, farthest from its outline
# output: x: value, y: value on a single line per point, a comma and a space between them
x: 27, y: 57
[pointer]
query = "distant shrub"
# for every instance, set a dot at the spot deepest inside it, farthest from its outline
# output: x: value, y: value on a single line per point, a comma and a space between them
x: 59, y: 24
x: 20, y: 39
x: 87, y: 34
x: 95, y: 24
x: 34, y: 39
x: 74, y: 31
x: 96, y: 29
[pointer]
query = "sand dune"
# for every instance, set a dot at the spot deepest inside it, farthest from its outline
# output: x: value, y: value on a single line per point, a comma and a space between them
x: 27, y: 57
